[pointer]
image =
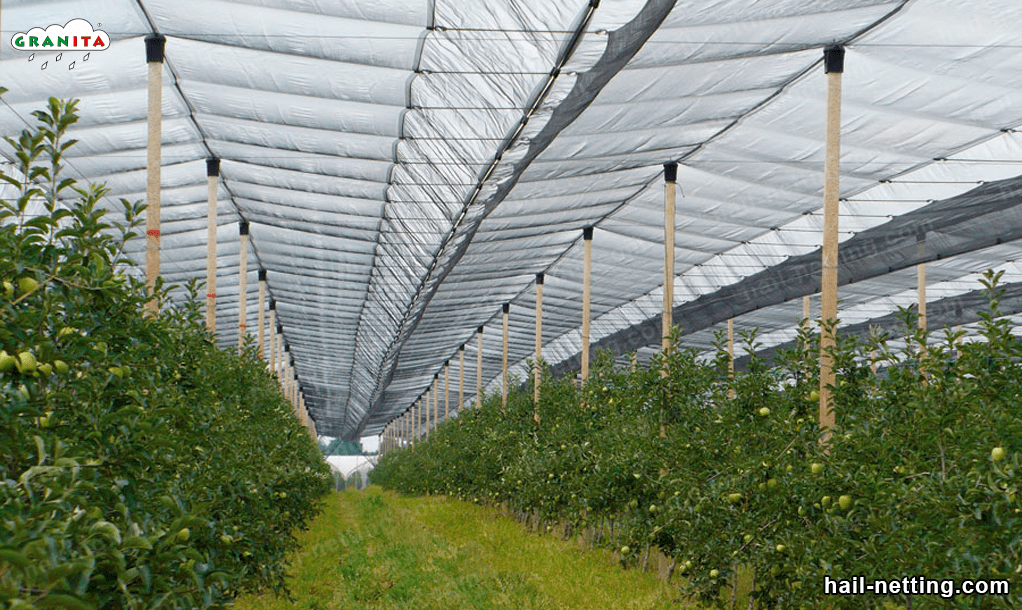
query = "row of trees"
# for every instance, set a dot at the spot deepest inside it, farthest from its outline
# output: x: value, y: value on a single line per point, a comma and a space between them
x: 921, y: 476
x: 142, y: 467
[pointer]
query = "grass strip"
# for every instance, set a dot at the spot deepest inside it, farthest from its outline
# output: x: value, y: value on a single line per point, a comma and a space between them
x: 377, y: 549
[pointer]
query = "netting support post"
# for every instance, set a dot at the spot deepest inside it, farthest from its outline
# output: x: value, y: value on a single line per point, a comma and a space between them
x: 155, y: 47
x: 447, y: 390
x: 436, y: 400
x: 670, y: 184
x: 833, y: 68
x: 212, y: 180
x: 242, y: 282
x: 731, y: 354
x: 271, y: 347
x: 503, y: 358
x: 461, y: 378
x: 479, y: 368
x: 587, y: 265
x: 536, y: 373
x: 921, y: 287
x: 261, y: 313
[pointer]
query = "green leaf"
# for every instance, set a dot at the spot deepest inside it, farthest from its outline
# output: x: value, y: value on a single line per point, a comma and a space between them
x: 14, y: 558
x: 58, y: 600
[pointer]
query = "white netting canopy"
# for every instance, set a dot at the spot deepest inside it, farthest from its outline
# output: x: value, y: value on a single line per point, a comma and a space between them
x: 406, y: 168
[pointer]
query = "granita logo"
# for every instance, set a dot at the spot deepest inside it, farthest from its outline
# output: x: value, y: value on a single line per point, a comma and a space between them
x: 75, y: 35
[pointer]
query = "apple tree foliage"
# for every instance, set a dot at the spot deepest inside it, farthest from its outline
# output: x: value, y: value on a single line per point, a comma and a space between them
x: 142, y: 467
x: 922, y: 475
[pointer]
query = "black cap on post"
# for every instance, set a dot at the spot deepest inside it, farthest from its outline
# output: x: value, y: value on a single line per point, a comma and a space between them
x: 507, y: 307
x: 273, y: 304
x: 287, y: 347
x: 671, y: 172
x: 461, y: 349
x: 262, y: 275
x: 587, y: 233
x: 539, y: 279
x: 834, y: 60
x: 212, y: 167
x: 155, y: 46
x: 479, y: 330
x: 243, y: 227
x: 280, y: 327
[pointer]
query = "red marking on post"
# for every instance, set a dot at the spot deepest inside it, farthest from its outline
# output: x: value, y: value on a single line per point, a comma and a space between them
x: 241, y: 326
x: 210, y: 295
x: 153, y: 232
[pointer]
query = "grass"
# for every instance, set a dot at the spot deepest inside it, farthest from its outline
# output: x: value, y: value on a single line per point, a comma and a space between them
x: 380, y: 550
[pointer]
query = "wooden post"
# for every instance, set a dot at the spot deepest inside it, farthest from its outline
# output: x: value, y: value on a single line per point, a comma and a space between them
x: 503, y: 376
x: 479, y: 369
x: 280, y: 348
x: 921, y: 286
x: 731, y: 354
x: 261, y: 335
x: 436, y: 400
x: 273, y: 322
x: 670, y: 181
x: 212, y: 179
x: 447, y: 390
x: 425, y: 421
x: 461, y: 379
x: 242, y: 283
x: 834, y: 59
x: 587, y: 264
x: 539, y: 346
x: 805, y: 316
x: 416, y: 414
x: 635, y: 360
x: 155, y: 47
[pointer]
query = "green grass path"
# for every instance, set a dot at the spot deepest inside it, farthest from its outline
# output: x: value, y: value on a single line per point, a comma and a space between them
x: 378, y: 550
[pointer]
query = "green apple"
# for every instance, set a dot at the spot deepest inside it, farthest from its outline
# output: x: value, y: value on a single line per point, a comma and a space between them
x: 814, y: 395
x: 997, y: 454
x: 60, y: 366
x: 781, y: 548
x: 183, y: 534
x: 764, y: 411
x: 714, y: 573
x: 27, y: 284
x: 825, y: 501
x: 747, y: 538
x: 734, y: 498
x: 845, y: 502
x: 7, y: 362
x: 116, y: 370
x: 624, y: 550
x: 45, y: 369
x: 816, y: 468
x: 771, y: 483
x: 652, y: 508
x: 26, y: 363
x: 8, y: 289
